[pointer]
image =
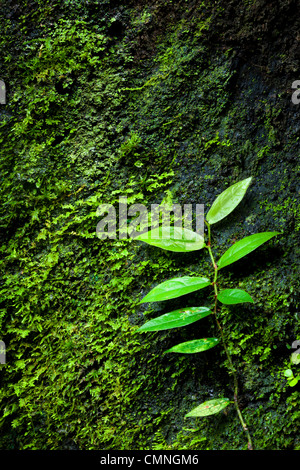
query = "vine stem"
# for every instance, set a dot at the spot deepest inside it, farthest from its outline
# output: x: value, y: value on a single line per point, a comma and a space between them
x: 231, y: 366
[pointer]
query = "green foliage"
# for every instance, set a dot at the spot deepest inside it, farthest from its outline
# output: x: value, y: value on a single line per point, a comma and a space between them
x: 233, y: 296
x: 87, y: 82
x: 224, y: 204
x: 244, y: 247
x: 63, y: 386
x: 209, y: 407
x: 292, y: 380
x: 227, y: 201
x: 173, y: 239
x: 175, y: 319
x: 194, y: 346
x: 175, y: 288
x: 294, y: 360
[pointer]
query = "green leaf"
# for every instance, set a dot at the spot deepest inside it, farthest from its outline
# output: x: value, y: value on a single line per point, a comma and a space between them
x: 173, y: 239
x: 244, y: 247
x: 288, y: 373
x: 194, y: 346
x: 175, y: 288
x: 234, y: 296
x: 293, y: 382
x: 209, y: 407
x: 176, y: 319
x: 227, y: 201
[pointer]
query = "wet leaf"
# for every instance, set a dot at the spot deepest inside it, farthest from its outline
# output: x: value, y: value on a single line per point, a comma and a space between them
x: 244, y: 247
x: 293, y: 382
x: 194, y: 346
x: 234, y: 296
x: 209, y: 407
x: 173, y: 239
x: 175, y: 288
x: 176, y: 319
x: 227, y: 201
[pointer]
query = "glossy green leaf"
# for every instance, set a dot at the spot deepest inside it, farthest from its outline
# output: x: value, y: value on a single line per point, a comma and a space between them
x: 227, y: 201
x: 234, y: 296
x: 173, y: 239
x: 194, y: 346
x: 176, y: 319
x: 209, y: 407
x: 244, y: 247
x: 293, y: 382
x: 175, y: 288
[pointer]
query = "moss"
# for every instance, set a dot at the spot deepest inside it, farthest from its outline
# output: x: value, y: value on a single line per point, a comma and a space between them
x: 151, y: 102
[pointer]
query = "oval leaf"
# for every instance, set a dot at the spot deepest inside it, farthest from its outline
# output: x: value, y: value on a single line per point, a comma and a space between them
x: 293, y: 382
x: 209, y: 407
x: 175, y: 288
x: 173, y: 239
x: 194, y: 346
x: 234, y: 296
x: 227, y: 201
x: 243, y: 247
x: 176, y: 319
